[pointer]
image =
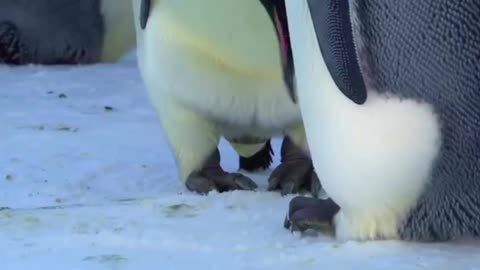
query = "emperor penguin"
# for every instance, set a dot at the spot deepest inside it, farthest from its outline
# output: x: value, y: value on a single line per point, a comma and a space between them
x: 390, y: 98
x: 212, y: 69
x: 65, y: 31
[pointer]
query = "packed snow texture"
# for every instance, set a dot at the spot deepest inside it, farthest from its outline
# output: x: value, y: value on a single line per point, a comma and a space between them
x: 87, y: 181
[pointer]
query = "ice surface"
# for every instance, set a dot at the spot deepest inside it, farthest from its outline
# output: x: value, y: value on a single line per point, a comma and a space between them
x: 91, y: 184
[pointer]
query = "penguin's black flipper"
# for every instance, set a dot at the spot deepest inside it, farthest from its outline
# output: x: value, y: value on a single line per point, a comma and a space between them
x: 333, y: 28
x: 261, y: 160
x: 145, y: 12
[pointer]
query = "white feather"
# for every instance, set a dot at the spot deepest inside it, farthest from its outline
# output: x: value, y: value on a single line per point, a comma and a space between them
x: 373, y: 159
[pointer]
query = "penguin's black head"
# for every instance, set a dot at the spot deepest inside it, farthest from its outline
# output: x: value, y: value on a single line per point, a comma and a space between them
x: 278, y: 14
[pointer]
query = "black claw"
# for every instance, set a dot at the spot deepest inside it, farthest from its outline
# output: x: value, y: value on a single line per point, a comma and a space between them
x: 213, y: 177
x: 273, y: 183
x: 286, y: 223
x: 311, y: 218
x: 244, y: 182
x: 315, y: 185
x: 290, y: 177
x: 288, y: 188
x: 232, y: 181
x: 200, y: 184
x: 301, y: 202
x: 295, y: 173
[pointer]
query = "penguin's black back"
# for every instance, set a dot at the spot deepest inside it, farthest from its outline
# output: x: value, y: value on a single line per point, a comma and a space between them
x: 429, y: 50
x: 50, y: 31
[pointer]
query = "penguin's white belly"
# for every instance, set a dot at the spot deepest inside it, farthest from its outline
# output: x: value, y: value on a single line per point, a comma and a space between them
x: 236, y: 94
x: 203, y: 80
x: 218, y: 92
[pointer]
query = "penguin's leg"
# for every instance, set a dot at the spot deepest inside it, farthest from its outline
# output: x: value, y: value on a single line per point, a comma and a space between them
x: 9, y: 43
x: 193, y: 139
x: 296, y: 169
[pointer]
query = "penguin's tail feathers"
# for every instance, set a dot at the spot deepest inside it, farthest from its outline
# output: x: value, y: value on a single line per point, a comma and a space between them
x: 259, y: 161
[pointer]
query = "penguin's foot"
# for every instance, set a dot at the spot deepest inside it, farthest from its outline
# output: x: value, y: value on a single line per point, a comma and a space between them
x: 213, y: 177
x: 311, y: 214
x: 221, y: 181
x: 9, y: 46
x: 295, y: 172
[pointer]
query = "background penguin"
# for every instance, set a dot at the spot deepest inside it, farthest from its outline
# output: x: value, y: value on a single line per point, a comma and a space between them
x: 392, y: 116
x: 65, y: 31
x: 212, y: 69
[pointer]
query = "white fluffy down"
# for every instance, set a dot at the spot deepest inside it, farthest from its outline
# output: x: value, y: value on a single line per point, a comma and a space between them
x: 373, y: 159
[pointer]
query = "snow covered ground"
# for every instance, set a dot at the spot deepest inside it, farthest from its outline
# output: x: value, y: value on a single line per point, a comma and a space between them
x: 90, y: 184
